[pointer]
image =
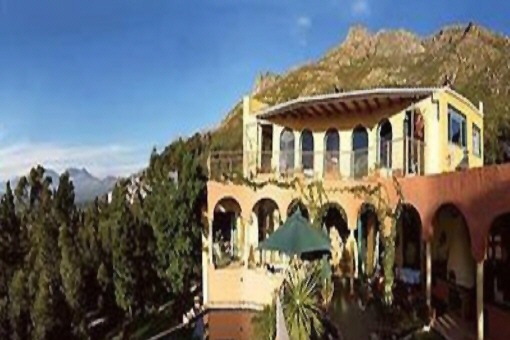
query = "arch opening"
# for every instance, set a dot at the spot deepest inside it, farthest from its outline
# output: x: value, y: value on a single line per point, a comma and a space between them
x: 369, y: 239
x: 359, y: 164
x: 268, y: 217
x: 385, y: 138
x: 409, y: 247
x: 332, y: 215
x: 497, y: 264
x: 287, y: 156
x: 453, y: 265
x: 332, y: 155
x: 227, y: 236
x: 414, y: 143
x: 294, y: 205
x: 307, y: 152
x: 267, y: 220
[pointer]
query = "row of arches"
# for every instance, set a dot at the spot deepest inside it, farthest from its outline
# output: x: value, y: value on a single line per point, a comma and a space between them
x: 453, y: 278
x: 267, y: 218
x: 450, y: 245
x: 413, y: 147
x: 453, y: 265
x: 332, y: 149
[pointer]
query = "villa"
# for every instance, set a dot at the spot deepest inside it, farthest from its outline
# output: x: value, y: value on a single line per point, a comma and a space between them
x: 453, y: 235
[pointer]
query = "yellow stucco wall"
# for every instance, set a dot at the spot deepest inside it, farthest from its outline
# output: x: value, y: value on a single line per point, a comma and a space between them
x: 473, y: 116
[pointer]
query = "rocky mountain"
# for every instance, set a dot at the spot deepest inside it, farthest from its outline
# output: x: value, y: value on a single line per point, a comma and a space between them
x: 472, y: 58
x: 86, y: 186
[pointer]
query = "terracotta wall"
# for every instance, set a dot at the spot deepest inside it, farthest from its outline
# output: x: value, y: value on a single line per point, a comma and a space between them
x: 481, y: 195
x: 230, y: 324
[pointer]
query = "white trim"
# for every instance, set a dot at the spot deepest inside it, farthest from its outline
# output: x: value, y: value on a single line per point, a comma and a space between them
x: 464, y: 100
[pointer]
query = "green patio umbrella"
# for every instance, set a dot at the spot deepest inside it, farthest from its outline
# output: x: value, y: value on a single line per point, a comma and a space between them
x: 297, y: 236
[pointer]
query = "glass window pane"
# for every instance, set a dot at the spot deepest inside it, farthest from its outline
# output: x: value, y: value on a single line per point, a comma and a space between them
x: 457, y: 123
x: 307, y: 150
x: 286, y: 150
x: 477, y: 150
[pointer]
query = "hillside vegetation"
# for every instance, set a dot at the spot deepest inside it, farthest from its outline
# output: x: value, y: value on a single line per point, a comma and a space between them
x: 474, y: 59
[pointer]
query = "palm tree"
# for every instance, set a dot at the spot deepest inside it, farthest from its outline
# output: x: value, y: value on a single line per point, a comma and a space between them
x: 301, y: 301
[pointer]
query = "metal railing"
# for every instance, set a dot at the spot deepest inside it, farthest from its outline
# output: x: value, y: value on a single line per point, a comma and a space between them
x: 400, y: 157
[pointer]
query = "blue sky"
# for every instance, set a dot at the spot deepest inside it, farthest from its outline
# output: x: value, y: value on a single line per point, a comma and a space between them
x: 98, y: 83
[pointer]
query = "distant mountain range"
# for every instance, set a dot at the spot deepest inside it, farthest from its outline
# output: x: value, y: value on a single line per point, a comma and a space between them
x: 86, y: 185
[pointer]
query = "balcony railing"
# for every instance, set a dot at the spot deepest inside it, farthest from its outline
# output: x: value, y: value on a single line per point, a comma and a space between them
x: 401, y: 157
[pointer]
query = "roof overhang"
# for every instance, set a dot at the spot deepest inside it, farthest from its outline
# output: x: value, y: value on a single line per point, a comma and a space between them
x: 371, y: 100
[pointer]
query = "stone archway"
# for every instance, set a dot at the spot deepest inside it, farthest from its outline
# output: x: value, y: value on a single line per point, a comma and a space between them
x: 332, y: 215
x: 410, y: 247
x: 369, y: 237
x: 453, y: 265
x: 294, y: 205
x: 497, y: 279
x: 228, y: 234
x: 267, y: 219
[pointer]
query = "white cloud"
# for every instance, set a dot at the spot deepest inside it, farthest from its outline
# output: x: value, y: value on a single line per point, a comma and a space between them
x: 360, y: 7
x: 304, y: 24
x: 17, y: 159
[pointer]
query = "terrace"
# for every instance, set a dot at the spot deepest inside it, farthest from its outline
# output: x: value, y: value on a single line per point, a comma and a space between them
x: 443, y: 226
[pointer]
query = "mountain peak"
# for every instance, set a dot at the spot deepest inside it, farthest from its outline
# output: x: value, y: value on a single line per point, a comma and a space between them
x: 472, y: 56
x: 357, y: 33
x: 73, y: 172
x: 86, y: 185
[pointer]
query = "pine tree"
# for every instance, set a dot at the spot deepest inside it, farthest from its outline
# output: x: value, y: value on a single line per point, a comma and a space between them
x: 50, y: 313
x: 71, y: 268
x: 4, y: 304
x: 147, y: 282
x: 106, y: 303
x: 91, y: 254
x: 19, y: 308
x: 124, y: 247
x: 10, y: 234
x: 10, y: 255
x: 18, y: 289
x: 175, y: 213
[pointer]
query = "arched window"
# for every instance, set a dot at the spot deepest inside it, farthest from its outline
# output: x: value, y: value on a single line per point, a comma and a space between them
x: 307, y: 151
x: 385, y: 143
x: 287, y: 151
x: 332, y: 155
x: 359, y: 165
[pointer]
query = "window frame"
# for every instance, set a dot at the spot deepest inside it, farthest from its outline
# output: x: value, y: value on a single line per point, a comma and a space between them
x: 475, y: 129
x: 454, y: 113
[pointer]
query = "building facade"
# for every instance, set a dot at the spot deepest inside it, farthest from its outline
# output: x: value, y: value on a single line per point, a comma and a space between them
x: 430, y: 140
